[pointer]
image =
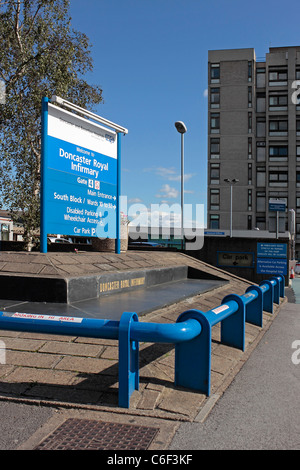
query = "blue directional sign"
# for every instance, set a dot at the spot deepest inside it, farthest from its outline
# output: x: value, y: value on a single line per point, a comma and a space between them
x: 271, y: 266
x: 271, y: 258
x: 271, y: 250
x: 277, y: 205
x: 79, y: 176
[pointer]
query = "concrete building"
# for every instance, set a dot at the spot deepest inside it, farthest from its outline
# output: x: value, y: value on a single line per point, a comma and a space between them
x: 254, y: 137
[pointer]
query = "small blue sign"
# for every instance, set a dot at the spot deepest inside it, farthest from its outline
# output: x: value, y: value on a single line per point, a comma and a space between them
x: 277, y: 206
x: 271, y: 250
x: 209, y: 232
x: 271, y: 266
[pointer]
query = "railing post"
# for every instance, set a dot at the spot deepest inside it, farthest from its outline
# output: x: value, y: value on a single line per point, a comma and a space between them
x: 193, y: 358
x: 268, y: 295
x: 233, y: 327
x: 276, y: 285
x: 282, y: 284
x: 128, y: 360
x: 254, y: 309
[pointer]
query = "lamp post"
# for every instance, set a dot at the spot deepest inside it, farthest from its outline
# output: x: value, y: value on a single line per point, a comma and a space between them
x: 231, y: 182
x: 181, y: 128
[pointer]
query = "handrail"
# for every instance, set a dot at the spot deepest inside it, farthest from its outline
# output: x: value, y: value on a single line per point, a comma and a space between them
x: 191, y: 333
x: 98, y: 328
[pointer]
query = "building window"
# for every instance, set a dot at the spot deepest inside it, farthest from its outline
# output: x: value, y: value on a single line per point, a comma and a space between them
x: 215, y: 97
x: 261, y: 102
x: 214, y: 73
x: 214, y: 173
x: 277, y: 76
x: 298, y: 126
x: 249, y: 71
x: 214, y: 148
x: 278, y: 177
x: 249, y: 96
x: 249, y: 123
x: 298, y: 178
x: 214, y: 221
x: 261, y: 201
x: 249, y: 222
x: 260, y: 77
x: 261, y: 176
x: 298, y: 203
x: 214, y: 199
x: 261, y: 223
x: 215, y: 123
x: 249, y: 199
x: 249, y: 173
x: 298, y: 152
x: 278, y: 102
x: 278, y: 127
x: 249, y: 148
x: 261, y: 151
x: 260, y: 127
x: 278, y: 152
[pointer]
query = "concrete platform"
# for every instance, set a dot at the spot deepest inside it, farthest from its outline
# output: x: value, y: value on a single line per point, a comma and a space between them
x: 111, y: 307
x: 70, y: 277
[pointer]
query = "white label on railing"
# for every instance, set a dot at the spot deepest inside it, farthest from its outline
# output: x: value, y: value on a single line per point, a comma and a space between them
x: 220, y: 309
x: 32, y: 316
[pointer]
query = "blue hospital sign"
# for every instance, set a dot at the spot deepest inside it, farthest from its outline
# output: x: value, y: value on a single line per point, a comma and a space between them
x: 79, y: 177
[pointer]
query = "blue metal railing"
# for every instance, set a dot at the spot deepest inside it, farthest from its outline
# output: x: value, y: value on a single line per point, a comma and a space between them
x: 191, y: 334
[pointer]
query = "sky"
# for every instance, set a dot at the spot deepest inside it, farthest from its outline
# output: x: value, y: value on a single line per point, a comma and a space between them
x: 150, y: 58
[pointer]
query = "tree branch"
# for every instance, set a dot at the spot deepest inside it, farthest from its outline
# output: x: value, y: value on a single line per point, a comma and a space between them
x: 17, y: 26
x: 33, y: 20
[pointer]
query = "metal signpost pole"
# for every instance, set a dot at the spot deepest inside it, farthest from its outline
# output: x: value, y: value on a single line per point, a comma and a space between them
x: 182, y: 190
x: 118, y: 218
x: 43, y: 231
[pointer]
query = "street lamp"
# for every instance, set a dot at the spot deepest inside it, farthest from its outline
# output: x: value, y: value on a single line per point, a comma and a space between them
x: 181, y: 128
x: 231, y: 182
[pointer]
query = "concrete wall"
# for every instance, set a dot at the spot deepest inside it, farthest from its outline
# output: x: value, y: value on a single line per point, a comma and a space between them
x: 212, y: 245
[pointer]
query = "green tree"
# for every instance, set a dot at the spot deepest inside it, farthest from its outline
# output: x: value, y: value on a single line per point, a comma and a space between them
x: 40, y: 55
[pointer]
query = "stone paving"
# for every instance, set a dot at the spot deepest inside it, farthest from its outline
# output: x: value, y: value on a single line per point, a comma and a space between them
x: 82, y: 373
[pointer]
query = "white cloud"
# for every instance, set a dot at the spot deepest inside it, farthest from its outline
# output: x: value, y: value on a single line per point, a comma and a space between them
x: 166, y: 191
x: 165, y: 215
x: 135, y: 200
x: 188, y: 191
x: 169, y: 174
x: 205, y: 93
x: 186, y: 177
x: 166, y: 172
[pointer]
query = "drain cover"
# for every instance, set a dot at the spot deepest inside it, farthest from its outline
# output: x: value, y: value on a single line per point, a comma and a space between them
x: 81, y: 434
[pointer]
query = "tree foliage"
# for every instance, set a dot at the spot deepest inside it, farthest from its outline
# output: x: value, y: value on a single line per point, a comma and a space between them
x: 40, y: 55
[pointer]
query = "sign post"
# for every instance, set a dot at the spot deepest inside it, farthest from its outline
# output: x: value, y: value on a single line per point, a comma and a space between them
x: 43, y: 229
x: 80, y: 175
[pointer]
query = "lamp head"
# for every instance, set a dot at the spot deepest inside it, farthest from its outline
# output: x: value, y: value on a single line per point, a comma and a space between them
x: 181, y: 127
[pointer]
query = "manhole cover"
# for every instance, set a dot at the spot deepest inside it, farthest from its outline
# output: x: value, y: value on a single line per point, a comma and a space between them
x: 81, y: 434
